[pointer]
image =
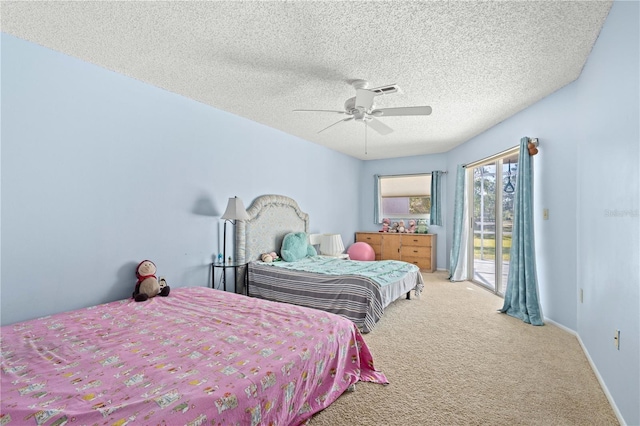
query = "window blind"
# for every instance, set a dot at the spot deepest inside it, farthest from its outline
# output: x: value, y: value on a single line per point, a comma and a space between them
x: 405, y: 186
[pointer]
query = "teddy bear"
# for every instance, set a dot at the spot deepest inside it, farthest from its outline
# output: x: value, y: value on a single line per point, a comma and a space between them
x: 385, y: 225
x: 412, y: 226
x: 421, y: 226
x: 401, y: 227
x: 269, y: 257
x: 295, y: 246
x: 394, y: 227
x: 148, y: 285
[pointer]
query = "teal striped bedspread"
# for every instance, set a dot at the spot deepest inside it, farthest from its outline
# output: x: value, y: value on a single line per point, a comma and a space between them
x: 383, y: 272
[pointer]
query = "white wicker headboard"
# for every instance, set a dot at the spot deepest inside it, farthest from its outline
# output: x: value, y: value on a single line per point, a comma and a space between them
x: 271, y: 217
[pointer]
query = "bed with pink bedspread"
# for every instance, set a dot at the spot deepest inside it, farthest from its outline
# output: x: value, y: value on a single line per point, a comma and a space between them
x: 200, y: 356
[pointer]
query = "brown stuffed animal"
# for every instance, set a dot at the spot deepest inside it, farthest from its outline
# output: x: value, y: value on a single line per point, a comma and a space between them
x: 147, y: 285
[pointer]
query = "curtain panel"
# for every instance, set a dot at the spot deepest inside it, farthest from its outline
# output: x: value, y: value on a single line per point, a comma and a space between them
x: 436, y: 198
x: 376, y: 199
x: 521, y: 298
x: 458, y: 256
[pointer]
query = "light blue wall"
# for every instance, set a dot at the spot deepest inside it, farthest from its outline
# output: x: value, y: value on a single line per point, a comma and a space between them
x: 399, y: 166
x: 554, y: 188
x: 586, y: 174
x: 100, y: 171
x: 607, y: 125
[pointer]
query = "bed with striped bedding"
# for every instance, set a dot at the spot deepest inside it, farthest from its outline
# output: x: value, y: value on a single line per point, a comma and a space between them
x: 359, y: 291
x: 344, y: 288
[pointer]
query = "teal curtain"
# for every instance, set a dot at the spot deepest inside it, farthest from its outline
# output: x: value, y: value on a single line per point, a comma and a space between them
x: 376, y: 199
x: 436, y: 199
x: 521, y: 297
x: 457, y: 267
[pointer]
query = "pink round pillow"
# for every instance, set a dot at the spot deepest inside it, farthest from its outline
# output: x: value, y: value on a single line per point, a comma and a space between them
x: 361, y: 251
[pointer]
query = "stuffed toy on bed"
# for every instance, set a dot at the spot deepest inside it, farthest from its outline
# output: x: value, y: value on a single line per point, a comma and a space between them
x: 148, y: 285
x: 269, y: 257
x: 295, y: 246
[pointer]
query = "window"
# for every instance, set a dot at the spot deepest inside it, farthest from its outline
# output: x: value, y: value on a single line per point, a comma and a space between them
x: 405, y: 196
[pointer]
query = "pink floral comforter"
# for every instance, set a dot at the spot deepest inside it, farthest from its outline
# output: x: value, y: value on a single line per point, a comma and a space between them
x: 199, y: 356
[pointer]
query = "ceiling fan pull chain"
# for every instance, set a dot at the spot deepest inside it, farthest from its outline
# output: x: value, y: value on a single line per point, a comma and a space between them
x: 365, y: 137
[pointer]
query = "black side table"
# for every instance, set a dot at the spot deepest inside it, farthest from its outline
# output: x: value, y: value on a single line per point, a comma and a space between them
x: 234, y: 266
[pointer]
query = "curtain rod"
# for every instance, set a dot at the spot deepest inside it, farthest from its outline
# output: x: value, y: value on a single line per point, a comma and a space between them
x: 500, y: 154
x: 414, y: 174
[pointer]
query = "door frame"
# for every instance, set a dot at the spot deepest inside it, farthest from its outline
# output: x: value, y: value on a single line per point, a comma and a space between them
x: 499, y: 287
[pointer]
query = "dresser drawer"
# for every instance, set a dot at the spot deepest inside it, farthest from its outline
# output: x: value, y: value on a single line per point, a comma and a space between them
x: 371, y: 239
x: 415, y: 251
x: 416, y: 240
x: 420, y: 262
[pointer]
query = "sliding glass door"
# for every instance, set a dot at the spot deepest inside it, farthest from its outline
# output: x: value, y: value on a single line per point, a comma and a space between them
x: 491, y: 189
x: 484, y: 225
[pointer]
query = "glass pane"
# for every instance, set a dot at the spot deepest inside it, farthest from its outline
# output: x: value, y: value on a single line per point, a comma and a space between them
x: 406, y: 207
x: 419, y: 205
x: 484, y: 225
x: 395, y: 206
x: 509, y: 177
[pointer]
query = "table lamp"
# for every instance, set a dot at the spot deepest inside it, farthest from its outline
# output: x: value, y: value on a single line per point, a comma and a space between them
x: 235, y: 211
x: 331, y: 245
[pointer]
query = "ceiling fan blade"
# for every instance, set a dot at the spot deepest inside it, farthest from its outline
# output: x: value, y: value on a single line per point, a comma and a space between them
x: 319, y: 110
x: 379, y: 126
x: 346, y: 119
x: 364, y: 99
x: 415, y: 110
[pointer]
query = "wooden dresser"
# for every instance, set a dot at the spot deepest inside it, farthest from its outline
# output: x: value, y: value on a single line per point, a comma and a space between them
x: 419, y: 249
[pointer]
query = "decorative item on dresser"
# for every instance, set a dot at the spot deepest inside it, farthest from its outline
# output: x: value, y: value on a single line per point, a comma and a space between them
x: 419, y: 249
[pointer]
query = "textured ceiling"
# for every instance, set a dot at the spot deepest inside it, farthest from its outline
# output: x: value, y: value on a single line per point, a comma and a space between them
x: 474, y: 63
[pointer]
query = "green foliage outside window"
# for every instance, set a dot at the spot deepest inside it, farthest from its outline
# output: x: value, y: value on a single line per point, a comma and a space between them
x: 419, y: 205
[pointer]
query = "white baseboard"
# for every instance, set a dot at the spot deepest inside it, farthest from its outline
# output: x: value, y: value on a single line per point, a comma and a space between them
x: 595, y: 370
x: 567, y: 329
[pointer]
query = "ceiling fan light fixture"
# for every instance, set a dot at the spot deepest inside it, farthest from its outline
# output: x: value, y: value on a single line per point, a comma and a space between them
x: 361, y: 107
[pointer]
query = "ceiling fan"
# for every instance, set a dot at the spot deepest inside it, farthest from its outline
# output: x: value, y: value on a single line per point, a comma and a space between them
x: 361, y: 107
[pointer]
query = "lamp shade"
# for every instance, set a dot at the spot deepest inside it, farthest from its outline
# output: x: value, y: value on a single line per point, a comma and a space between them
x: 235, y: 210
x: 331, y: 245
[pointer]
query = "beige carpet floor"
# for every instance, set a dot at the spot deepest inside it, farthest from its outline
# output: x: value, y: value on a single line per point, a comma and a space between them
x: 452, y: 359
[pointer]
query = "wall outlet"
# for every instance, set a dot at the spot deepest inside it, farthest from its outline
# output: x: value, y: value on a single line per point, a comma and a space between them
x: 616, y: 339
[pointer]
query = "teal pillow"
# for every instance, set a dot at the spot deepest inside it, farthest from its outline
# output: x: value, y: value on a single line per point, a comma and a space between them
x: 295, y: 246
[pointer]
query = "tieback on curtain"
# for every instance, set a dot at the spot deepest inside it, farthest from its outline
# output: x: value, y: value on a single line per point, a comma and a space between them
x: 532, y: 146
